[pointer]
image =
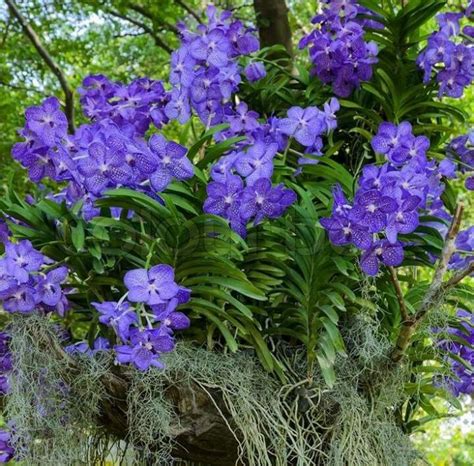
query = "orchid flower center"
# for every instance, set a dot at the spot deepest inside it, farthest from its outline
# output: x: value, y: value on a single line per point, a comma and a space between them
x: 21, y: 261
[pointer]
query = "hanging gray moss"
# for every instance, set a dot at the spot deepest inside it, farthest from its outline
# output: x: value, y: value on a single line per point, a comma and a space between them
x: 54, y: 420
x: 58, y: 410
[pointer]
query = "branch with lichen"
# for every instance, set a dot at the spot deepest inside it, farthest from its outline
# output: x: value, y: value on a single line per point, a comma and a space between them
x: 398, y: 290
x: 437, y: 289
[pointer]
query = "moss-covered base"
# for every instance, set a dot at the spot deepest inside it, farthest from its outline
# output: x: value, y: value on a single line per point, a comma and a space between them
x: 208, y: 407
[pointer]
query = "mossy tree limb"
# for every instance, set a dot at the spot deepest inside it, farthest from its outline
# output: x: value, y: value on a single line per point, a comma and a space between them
x: 206, y: 407
x: 436, y: 291
x: 201, y: 430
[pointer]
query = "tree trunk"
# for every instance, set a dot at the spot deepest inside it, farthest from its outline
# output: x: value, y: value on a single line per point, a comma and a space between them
x: 202, y: 435
x: 202, y: 429
x: 273, y: 23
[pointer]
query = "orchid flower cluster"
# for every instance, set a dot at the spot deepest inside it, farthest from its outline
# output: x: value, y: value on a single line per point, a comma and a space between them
x: 112, y: 151
x: 153, y: 297
x: 461, y: 149
x: 157, y: 289
x: 205, y: 71
x: 241, y: 189
x: 133, y: 108
x: 30, y: 281
x: 340, y: 55
x: 462, y: 381
x: 389, y: 198
x: 450, y: 54
x: 6, y: 449
x: 107, y: 153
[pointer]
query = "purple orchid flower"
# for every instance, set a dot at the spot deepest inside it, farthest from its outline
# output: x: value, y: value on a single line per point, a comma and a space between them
x: 409, y: 148
x: 47, y: 121
x: 145, y: 348
x: 171, y: 319
x: 331, y: 107
x: 119, y: 316
x: 21, y: 259
x: 390, y: 136
x: 7, y: 452
x: 371, y: 209
x: 154, y: 286
x: 381, y: 252
x: 224, y: 198
x: 172, y: 162
x: 257, y: 162
x: 404, y: 220
x: 302, y: 124
x: 342, y: 232
x: 222, y: 169
x: 22, y: 298
x: 262, y: 200
x: 105, y: 167
x: 49, y: 286
x: 255, y: 71
x: 244, y: 120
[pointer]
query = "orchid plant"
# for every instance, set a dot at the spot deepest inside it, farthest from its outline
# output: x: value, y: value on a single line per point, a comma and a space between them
x: 265, y: 217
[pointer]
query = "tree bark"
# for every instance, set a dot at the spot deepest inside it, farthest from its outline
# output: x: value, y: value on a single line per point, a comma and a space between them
x: 48, y: 59
x: 202, y: 434
x: 273, y: 24
x: 204, y: 431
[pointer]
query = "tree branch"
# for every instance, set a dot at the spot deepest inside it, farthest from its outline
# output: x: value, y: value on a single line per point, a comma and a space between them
x: 448, y: 250
x: 158, y: 40
x: 189, y: 10
x: 50, y: 62
x: 437, y: 288
x: 400, y: 297
x: 130, y: 34
x: 144, y: 12
x: 20, y: 88
x: 459, y: 276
